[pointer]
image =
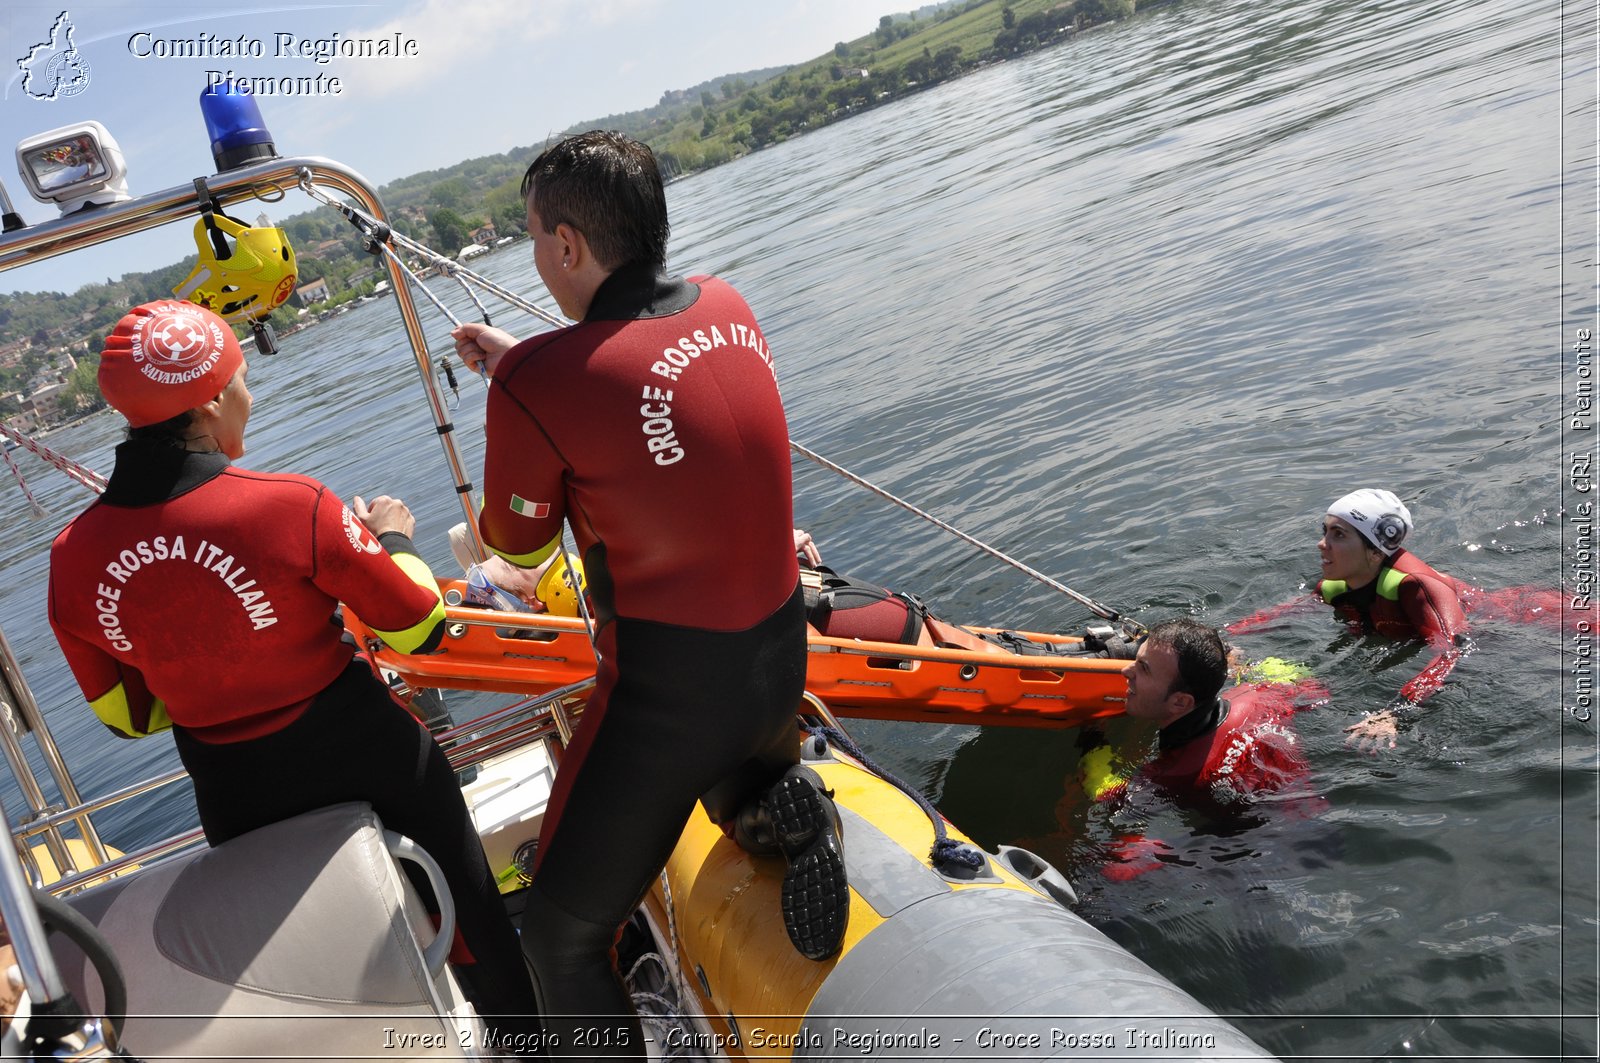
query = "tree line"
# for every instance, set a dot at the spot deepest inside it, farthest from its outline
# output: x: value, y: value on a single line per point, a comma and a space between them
x: 904, y: 54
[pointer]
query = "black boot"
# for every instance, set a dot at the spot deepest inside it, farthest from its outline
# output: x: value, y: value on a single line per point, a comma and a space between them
x: 752, y: 828
x: 816, y: 895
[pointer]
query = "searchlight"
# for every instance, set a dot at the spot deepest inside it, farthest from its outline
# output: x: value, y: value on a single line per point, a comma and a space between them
x: 74, y: 167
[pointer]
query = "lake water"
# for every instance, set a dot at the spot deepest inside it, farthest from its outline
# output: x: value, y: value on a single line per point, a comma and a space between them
x: 1134, y: 310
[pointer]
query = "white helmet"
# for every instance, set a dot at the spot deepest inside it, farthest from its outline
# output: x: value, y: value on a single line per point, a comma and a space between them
x: 1379, y: 515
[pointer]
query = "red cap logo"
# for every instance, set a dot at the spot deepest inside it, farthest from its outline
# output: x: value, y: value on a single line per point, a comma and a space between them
x: 176, y: 343
x: 164, y: 358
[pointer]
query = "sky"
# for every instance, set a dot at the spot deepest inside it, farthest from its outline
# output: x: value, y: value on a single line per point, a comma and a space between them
x: 480, y: 77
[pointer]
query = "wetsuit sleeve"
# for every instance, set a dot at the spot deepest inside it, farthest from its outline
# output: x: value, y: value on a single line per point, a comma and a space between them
x: 1435, y: 611
x: 1259, y: 621
x: 115, y: 691
x: 524, y: 496
x: 393, y: 593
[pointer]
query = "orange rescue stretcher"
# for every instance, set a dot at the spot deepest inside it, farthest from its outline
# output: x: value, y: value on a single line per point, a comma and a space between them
x: 951, y: 674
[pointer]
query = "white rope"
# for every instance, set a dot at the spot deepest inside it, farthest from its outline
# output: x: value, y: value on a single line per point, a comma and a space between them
x: 371, y: 226
x: 35, y: 510
x: 83, y: 475
x: 1089, y: 603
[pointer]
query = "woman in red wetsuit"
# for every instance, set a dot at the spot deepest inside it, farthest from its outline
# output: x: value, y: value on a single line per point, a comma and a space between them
x: 201, y: 597
x: 1379, y: 587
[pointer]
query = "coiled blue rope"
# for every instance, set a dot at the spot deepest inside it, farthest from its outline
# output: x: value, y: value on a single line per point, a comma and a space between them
x: 946, y: 851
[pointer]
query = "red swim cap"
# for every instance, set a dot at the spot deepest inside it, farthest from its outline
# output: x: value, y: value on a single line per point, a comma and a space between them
x: 164, y: 358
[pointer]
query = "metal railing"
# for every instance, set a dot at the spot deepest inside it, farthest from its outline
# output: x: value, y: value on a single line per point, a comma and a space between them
x: 20, y: 715
x: 268, y: 181
x: 468, y: 744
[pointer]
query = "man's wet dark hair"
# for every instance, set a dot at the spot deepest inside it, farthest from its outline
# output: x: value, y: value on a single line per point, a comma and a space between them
x: 1202, y: 657
x: 605, y: 185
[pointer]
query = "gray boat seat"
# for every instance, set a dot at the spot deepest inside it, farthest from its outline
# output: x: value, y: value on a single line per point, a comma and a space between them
x: 308, y: 919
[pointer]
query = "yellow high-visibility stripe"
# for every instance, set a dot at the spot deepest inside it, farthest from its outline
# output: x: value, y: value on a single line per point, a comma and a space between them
x: 410, y: 639
x: 1389, y: 581
x: 530, y: 560
x: 1098, y: 774
x: 417, y: 570
x: 116, y: 713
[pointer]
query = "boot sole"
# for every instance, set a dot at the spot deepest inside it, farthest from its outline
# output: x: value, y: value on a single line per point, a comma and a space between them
x: 816, y: 894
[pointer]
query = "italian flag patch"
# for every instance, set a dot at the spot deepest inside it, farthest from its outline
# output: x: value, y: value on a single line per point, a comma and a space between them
x: 523, y: 508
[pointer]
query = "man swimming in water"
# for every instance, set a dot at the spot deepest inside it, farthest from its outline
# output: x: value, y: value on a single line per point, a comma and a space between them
x: 1222, y: 748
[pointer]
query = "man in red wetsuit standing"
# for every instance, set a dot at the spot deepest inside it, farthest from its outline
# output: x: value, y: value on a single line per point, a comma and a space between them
x: 654, y: 427
x: 1222, y: 748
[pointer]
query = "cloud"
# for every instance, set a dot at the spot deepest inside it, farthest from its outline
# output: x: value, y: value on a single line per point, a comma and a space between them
x: 458, y: 43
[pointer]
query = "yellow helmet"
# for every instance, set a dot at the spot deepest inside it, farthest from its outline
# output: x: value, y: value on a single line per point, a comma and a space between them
x: 555, y: 587
x: 243, y: 284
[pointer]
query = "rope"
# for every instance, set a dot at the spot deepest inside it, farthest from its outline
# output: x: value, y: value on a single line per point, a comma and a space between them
x: 378, y: 238
x: 83, y: 475
x: 454, y: 273
x: 449, y: 266
x: 1094, y: 606
x: 461, y: 273
x: 946, y: 851
x: 35, y: 510
x: 665, y: 1014
x: 416, y: 281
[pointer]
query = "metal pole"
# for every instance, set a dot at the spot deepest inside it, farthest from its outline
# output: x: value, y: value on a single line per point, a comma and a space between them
x: 268, y: 178
x: 39, y: 970
x: 22, y: 715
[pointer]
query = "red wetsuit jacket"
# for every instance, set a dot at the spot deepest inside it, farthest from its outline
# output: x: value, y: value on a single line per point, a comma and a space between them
x: 204, y: 595
x: 1408, y: 600
x: 1239, y: 748
x: 655, y: 427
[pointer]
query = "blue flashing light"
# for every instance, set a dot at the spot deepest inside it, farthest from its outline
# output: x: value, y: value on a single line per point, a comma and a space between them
x: 233, y: 121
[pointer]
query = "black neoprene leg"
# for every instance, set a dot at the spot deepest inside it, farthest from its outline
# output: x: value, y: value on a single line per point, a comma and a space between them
x: 684, y: 711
